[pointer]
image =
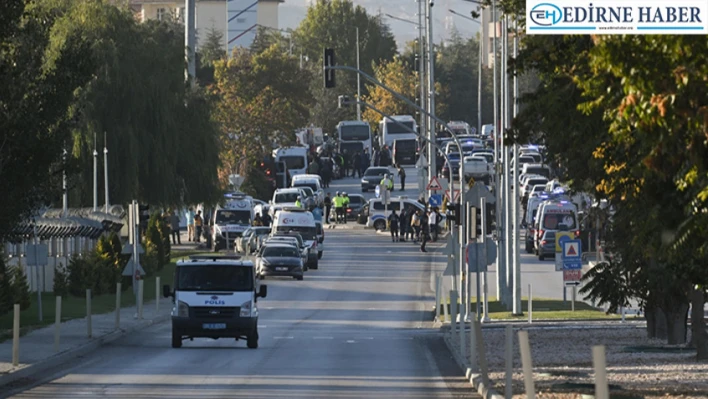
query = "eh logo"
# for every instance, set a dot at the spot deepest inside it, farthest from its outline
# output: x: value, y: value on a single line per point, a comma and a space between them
x: 546, y: 14
x: 288, y: 221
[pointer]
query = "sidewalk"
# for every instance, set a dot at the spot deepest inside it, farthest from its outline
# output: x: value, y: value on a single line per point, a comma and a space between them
x: 37, y: 348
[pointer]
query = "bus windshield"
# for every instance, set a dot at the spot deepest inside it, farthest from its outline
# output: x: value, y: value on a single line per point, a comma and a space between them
x: 293, y: 161
x: 395, y: 128
x: 354, y: 133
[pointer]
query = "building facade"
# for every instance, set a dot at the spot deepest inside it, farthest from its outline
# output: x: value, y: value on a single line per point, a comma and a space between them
x: 236, y: 20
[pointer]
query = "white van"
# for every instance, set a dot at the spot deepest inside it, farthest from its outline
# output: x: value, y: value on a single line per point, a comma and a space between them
x: 312, y: 181
x: 555, y: 215
x: 377, y: 214
x: 295, y: 159
x: 215, y: 297
x: 299, y: 221
x: 231, y: 220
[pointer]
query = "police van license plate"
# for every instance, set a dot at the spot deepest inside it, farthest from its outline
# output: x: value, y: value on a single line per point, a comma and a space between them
x: 214, y: 326
x: 281, y: 269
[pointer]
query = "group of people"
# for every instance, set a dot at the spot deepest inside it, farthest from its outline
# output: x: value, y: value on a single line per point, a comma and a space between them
x: 195, y: 225
x: 262, y: 220
x: 414, y: 224
x: 340, y: 203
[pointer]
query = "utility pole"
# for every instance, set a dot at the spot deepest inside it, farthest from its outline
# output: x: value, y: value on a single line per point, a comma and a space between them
x: 95, y: 174
x: 421, y: 66
x: 517, y: 262
x: 501, y: 272
x: 432, y: 171
x: 508, y: 267
x: 358, y: 79
x: 479, y: 74
x: 105, y: 169
x: 190, y: 40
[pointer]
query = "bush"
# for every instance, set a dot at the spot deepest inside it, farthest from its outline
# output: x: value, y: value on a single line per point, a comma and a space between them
x: 61, y: 281
x: 20, y: 288
x: 82, y: 274
x: 157, y: 242
x: 5, y: 287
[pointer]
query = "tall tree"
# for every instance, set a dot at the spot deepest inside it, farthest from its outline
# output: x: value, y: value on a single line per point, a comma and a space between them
x: 210, y: 51
x: 40, y: 69
x: 264, y: 98
x: 333, y: 24
x: 398, y: 77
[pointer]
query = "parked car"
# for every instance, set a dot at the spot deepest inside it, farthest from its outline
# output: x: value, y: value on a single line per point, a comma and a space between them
x: 304, y: 252
x: 356, y: 201
x: 250, y: 238
x: 279, y: 259
x: 320, y: 239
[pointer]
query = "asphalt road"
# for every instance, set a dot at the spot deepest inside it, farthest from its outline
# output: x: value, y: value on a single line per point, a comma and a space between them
x: 357, y: 327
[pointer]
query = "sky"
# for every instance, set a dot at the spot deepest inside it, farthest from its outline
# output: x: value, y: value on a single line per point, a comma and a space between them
x: 291, y: 12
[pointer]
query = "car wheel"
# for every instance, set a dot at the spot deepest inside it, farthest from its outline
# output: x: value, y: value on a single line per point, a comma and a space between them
x: 252, y: 339
x: 176, y: 339
x: 319, y: 255
x: 380, y: 225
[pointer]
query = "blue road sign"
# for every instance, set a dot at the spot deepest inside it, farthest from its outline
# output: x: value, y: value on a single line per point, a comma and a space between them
x: 435, y: 200
x: 572, y: 255
x: 572, y: 265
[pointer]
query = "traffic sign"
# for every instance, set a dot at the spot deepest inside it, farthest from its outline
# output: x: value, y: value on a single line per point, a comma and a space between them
x: 477, y: 192
x: 434, y: 185
x: 128, y: 270
x: 435, y: 200
x: 377, y: 191
x: 572, y: 250
x: 562, y: 236
x: 453, y: 198
x: 572, y: 276
x: 37, y: 254
x: 471, y: 182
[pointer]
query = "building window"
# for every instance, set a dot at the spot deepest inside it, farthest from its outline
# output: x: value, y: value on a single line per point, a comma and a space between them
x: 161, y: 14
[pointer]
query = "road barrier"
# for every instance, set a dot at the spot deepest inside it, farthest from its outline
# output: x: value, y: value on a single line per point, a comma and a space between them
x: 509, y: 362
x: 16, y: 335
x: 526, y: 364
x: 88, y: 314
x: 600, y: 364
x: 57, y: 323
x: 530, y: 307
x: 157, y: 293
x: 141, y: 286
x: 118, y: 291
x: 438, y: 291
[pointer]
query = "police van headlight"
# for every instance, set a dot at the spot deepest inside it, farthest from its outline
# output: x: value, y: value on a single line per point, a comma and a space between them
x: 246, y: 309
x: 182, y: 309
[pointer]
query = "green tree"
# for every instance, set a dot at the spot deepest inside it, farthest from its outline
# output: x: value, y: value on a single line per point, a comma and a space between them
x: 5, y: 287
x: 210, y: 51
x: 163, y: 146
x: 333, y: 24
x: 397, y: 76
x: 264, y: 98
x: 40, y: 70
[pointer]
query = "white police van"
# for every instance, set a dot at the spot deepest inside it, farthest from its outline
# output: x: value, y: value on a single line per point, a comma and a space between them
x: 215, y: 297
x: 231, y: 220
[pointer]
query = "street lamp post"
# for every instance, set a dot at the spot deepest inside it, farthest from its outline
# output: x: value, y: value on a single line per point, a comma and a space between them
x: 358, y: 79
x: 432, y: 169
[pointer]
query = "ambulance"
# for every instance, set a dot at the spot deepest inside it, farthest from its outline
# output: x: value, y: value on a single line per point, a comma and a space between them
x: 555, y: 215
x: 230, y: 220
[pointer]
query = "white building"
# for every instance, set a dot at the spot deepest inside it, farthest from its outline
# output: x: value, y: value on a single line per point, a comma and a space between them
x: 237, y: 20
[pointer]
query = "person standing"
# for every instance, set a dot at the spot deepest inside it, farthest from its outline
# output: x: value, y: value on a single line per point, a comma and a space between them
x: 317, y: 213
x: 402, y: 177
x: 433, y: 224
x: 424, y: 232
x: 345, y: 206
x: 338, y: 203
x: 198, y: 226
x: 190, y: 224
x: 328, y: 207
x: 356, y: 164
x: 415, y: 224
x: 174, y: 224
x: 405, y: 223
x: 393, y: 220
x: 265, y: 219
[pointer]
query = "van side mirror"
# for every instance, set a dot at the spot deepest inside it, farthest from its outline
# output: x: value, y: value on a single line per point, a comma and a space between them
x: 166, y: 292
x: 263, y: 291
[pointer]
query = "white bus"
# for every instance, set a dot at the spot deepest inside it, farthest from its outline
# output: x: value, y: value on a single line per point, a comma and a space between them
x: 354, y: 136
x: 390, y: 130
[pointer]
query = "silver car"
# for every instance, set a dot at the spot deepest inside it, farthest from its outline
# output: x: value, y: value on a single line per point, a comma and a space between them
x: 250, y: 238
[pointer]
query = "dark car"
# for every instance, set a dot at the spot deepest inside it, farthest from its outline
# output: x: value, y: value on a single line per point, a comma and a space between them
x: 372, y: 178
x: 356, y: 201
x: 279, y: 260
x: 548, y: 245
x: 455, y: 169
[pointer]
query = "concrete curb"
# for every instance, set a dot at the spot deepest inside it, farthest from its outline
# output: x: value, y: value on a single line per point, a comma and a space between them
x: 81, y: 350
x: 476, y: 380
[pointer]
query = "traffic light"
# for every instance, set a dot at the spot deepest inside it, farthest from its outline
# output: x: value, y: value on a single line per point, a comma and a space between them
x: 144, y: 213
x: 456, y: 213
x: 475, y: 219
x: 328, y: 73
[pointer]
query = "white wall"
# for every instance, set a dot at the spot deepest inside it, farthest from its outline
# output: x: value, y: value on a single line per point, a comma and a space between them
x: 268, y: 14
x: 210, y: 15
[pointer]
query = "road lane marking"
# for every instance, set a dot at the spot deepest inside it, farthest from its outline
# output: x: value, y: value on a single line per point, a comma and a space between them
x: 282, y: 337
x: 351, y: 341
x: 322, y: 337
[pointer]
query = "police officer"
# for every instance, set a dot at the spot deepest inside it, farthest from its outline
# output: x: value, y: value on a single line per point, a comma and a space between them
x: 328, y: 207
x: 298, y: 203
x: 387, y: 182
x: 338, y: 203
x: 345, y: 206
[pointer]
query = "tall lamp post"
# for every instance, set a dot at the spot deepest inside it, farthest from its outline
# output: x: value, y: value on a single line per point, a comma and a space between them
x: 479, y: 70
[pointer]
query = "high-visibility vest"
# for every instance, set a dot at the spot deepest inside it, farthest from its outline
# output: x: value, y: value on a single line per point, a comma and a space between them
x: 345, y: 201
x: 298, y: 204
x: 338, y: 202
x: 387, y: 183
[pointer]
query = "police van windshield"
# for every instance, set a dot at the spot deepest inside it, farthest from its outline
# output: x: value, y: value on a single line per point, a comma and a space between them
x: 553, y: 221
x: 286, y: 197
x: 214, y: 278
x: 293, y: 161
x: 226, y: 216
x: 306, y: 232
